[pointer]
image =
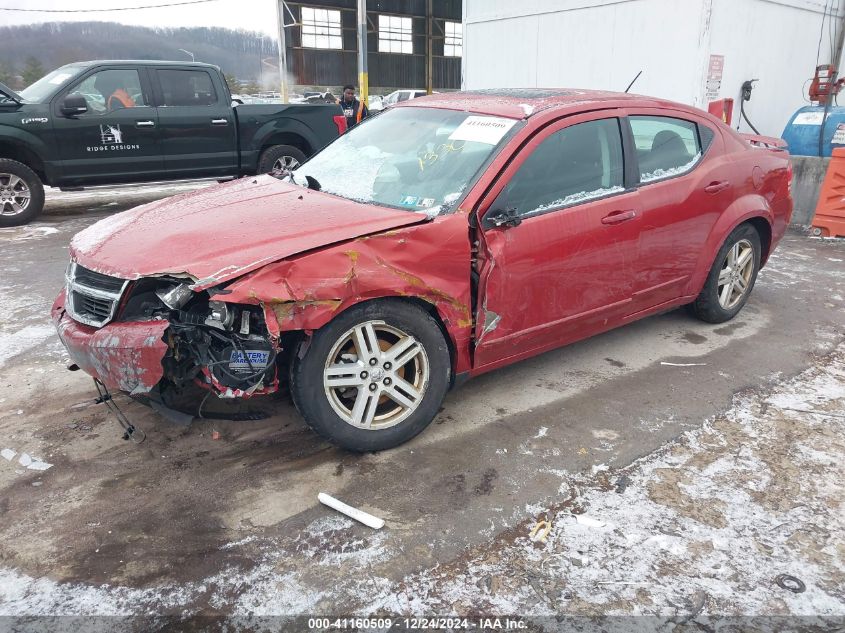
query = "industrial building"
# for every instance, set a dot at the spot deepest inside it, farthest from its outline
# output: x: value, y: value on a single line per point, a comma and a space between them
x: 410, y: 44
x: 692, y: 51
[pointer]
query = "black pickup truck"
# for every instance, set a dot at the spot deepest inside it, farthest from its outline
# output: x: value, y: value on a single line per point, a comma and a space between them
x: 105, y: 122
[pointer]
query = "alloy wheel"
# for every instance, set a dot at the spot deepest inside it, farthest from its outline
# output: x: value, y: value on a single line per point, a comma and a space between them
x: 285, y: 163
x: 376, y: 375
x: 14, y: 195
x: 735, y: 275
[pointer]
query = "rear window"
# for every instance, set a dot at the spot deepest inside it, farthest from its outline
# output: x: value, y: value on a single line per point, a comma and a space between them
x: 666, y: 146
x: 186, y: 88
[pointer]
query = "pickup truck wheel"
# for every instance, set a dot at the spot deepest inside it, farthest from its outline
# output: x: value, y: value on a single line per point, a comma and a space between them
x: 279, y: 157
x: 374, y: 377
x: 21, y: 193
x: 732, y: 277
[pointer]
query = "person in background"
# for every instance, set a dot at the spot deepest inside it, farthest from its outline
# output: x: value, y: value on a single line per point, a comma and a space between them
x: 355, y: 111
x: 113, y: 91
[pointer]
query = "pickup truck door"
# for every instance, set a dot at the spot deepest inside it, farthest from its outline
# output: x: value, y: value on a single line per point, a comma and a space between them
x: 197, y: 123
x: 116, y: 140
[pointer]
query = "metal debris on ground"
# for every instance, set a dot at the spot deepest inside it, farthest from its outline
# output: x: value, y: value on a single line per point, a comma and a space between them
x: 540, y: 531
x: 622, y: 483
x: 353, y: 513
x: 790, y: 583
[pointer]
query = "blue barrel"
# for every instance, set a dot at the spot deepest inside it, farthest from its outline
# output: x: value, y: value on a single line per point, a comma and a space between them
x: 802, y: 131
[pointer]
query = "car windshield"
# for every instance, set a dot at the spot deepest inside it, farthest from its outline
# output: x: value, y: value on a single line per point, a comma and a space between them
x: 416, y: 159
x: 44, y: 88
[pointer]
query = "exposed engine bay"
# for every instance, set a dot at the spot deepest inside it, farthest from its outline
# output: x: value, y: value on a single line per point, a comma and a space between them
x: 222, y: 347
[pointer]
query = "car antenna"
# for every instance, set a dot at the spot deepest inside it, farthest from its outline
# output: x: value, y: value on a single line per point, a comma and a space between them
x: 633, y: 81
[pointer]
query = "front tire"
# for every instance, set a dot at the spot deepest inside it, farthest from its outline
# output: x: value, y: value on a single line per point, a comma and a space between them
x: 374, y: 377
x: 731, y: 278
x: 21, y: 193
x: 279, y: 157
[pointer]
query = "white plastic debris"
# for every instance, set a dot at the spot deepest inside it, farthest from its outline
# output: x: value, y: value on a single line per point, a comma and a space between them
x: 37, y: 464
x: 33, y: 463
x: 588, y: 521
x: 684, y: 364
x: 353, y: 513
x: 8, y: 454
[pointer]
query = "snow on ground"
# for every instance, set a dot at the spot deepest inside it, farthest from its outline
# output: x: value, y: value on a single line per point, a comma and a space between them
x: 704, y: 525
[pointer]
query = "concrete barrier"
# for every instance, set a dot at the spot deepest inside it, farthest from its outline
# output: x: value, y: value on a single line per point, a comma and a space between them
x: 807, y: 178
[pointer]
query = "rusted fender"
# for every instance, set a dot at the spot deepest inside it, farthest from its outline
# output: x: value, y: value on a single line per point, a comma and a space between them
x: 124, y: 356
x: 429, y: 262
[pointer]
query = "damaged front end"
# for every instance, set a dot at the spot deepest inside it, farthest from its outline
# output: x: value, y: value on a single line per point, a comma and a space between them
x: 154, y: 337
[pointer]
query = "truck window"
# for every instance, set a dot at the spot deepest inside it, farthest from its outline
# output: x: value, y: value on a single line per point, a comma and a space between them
x: 186, y: 88
x: 109, y: 90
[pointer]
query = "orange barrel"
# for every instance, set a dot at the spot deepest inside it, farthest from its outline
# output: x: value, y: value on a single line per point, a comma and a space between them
x: 829, y: 220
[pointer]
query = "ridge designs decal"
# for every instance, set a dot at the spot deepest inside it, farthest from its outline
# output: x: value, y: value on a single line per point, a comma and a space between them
x: 111, y: 138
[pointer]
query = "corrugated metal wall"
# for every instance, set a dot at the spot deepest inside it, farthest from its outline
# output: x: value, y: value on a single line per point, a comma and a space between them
x: 324, y: 67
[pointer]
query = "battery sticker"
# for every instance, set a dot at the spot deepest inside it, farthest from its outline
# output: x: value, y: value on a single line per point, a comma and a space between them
x: 482, y: 129
x: 256, y: 357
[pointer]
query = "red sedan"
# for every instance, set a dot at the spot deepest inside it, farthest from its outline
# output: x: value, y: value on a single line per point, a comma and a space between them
x: 443, y: 238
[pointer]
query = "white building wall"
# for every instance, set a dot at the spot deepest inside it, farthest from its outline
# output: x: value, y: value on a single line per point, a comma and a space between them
x: 602, y: 44
x: 775, y: 42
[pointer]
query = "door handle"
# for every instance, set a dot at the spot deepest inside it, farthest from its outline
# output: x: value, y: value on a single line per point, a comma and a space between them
x: 717, y: 186
x: 219, y: 122
x: 145, y: 123
x: 618, y: 217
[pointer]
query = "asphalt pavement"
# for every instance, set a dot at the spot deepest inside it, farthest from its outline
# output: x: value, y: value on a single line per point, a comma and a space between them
x: 188, y: 523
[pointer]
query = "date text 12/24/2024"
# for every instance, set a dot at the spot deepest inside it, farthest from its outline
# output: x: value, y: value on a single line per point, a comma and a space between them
x: 418, y: 624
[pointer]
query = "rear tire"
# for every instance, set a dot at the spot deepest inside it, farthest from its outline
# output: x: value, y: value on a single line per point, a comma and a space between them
x: 276, y: 157
x: 732, y: 277
x: 21, y: 193
x: 360, y: 400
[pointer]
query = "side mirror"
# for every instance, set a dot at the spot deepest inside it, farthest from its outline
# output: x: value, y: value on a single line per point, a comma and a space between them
x: 74, y: 105
x: 502, y: 217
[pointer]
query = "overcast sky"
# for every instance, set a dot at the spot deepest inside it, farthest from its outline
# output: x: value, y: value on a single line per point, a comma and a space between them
x: 253, y: 15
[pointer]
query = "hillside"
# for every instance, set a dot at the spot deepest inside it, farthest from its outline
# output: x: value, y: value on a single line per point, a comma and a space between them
x: 53, y: 44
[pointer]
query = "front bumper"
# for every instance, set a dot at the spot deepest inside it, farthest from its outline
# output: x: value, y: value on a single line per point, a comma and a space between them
x: 125, y: 356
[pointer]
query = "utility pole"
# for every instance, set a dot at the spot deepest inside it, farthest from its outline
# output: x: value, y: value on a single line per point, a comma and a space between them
x: 283, y: 53
x: 363, y: 78
x: 429, y: 48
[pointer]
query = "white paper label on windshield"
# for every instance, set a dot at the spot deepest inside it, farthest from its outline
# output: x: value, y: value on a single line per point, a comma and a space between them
x: 482, y: 129
x: 60, y: 78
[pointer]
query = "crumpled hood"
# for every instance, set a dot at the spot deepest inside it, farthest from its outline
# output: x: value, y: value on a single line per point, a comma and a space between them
x: 225, y: 231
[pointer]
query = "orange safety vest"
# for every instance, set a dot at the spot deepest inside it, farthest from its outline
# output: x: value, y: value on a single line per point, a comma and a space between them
x: 359, y: 115
x: 122, y: 97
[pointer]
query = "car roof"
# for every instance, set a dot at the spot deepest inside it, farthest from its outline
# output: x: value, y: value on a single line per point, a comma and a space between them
x: 521, y: 103
x: 140, y: 62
